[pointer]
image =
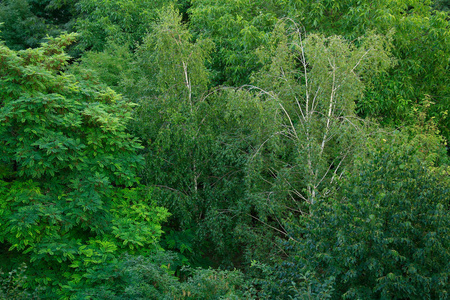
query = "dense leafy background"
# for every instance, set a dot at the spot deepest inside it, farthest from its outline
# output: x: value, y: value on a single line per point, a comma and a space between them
x: 200, y: 149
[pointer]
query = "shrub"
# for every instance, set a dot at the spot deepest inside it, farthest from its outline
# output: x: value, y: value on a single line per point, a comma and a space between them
x: 12, y: 285
x: 386, y: 235
x: 70, y: 200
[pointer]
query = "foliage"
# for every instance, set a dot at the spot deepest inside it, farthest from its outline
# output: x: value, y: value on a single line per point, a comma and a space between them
x: 70, y: 201
x: 228, y: 164
x: 237, y: 28
x: 213, y: 284
x: 315, y: 81
x: 111, y: 66
x: 55, y: 12
x: 26, y: 23
x: 179, y: 127
x: 256, y: 172
x: 387, y: 233
x: 288, y: 280
x: 196, y: 142
x: 420, y: 38
x: 152, y: 278
x: 443, y: 5
x: 20, y: 27
x: 421, y: 46
x: 119, y: 21
x: 11, y: 286
x: 422, y: 72
x: 216, y: 158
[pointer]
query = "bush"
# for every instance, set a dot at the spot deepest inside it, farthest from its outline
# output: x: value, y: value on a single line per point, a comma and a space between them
x: 12, y: 285
x: 153, y: 278
x: 70, y: 198
x: 387, y: 234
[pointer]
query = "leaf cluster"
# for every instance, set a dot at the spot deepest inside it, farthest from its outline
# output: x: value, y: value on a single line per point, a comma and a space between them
x: 386, y: 233
x: 70, y: 200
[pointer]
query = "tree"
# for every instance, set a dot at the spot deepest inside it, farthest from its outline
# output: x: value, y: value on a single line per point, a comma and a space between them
x: 20, y: 27
x: 70, y: 200
x: 386, y: 233
x: 421, y: 47
x: 26, y: 23
x: 420, y: 44
x: 118, y: 21
x: 237, y: 29
x: 197, y: 142
x: 443, y: 5
x: 316, y: 82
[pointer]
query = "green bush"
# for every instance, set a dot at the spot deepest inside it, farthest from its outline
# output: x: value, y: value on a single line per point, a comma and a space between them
x: 387, y: 233
x: 70, y: 200
x: 12, y: 285
x: 289, y: 280
x: 153, y: 278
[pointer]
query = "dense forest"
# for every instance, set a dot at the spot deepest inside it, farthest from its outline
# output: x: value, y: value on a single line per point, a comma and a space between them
x: 224, y: 149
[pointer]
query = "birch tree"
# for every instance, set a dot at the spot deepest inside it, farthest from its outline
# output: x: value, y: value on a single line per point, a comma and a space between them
x: 169, y: 83
x: 197, y: 141
x: 316, y: 81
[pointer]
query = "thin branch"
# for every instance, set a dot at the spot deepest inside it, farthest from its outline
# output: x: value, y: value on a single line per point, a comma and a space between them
x: 171, y: 189
x: 283, y: 233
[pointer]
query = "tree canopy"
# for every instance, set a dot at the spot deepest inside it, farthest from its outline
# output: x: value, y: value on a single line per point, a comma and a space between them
x: 70, y: 196
x: 199, y: 149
